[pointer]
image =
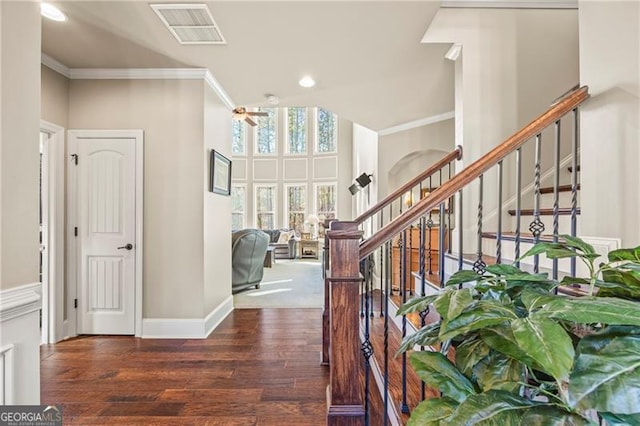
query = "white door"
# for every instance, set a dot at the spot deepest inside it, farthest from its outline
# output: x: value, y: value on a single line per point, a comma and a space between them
x: 106, y: 178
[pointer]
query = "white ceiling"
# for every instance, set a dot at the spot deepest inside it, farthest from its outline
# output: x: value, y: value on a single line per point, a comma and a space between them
x: 366, y: 56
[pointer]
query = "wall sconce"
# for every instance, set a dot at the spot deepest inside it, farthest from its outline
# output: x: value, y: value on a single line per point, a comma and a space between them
x: 353, y: 189
x: 363, y: 180
x: 408, y: 199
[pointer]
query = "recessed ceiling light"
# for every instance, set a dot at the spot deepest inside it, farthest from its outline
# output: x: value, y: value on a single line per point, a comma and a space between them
x: 307, y: 81
x: 50, y: 11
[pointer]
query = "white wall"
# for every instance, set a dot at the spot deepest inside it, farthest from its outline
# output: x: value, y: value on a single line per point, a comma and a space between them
x: 514, y: 63
x: 610, y: 124
x: 19, y: 171
x: 365, y: 160
x: 217, y: 208
x: 171, y: 114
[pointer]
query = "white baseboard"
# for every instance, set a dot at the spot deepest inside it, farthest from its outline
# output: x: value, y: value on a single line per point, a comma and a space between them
x: 217, y: 315
x: 180, y: 328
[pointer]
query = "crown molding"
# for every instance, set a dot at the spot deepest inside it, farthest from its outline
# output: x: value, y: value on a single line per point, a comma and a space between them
x: 417, y: 123
x: 56, y: 66
x: 511, y: 4
x: 140, y: 74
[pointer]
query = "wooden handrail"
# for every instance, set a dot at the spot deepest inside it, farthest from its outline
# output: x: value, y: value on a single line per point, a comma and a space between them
x: 456, y: 154
x: 474, y: 170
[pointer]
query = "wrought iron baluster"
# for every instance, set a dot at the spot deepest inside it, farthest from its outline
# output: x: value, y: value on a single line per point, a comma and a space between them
x: 367, y: 348
x: 574, y: 182
x: 390, y: 253
x: 499, y: 233
x: 380, y: 271
x: 405, y: 406
x: 386, y: 333
x: 537, y: 226
x: 460, y: 232
x: 441, y: 237
x: 556, y: 194
x: 479, y: 265
x: 449, y: 229
x: 518, y: 203
x: 430, y: 226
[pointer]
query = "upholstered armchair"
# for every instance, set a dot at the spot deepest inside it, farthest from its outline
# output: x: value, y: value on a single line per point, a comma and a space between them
x: 248, y: 248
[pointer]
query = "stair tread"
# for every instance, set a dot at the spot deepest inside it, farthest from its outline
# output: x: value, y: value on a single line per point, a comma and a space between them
x: 561, y: 188
x: 544, y: 212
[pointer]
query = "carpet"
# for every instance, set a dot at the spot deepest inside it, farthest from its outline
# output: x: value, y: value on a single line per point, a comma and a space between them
x: 290, y: 283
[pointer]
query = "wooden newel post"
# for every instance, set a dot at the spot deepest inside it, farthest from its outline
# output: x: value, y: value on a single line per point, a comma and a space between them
x: 345, y: 399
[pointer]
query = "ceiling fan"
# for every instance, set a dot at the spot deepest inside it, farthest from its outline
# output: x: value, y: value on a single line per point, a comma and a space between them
x: 241, y: 113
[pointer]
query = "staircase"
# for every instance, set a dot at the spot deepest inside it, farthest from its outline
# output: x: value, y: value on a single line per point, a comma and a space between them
x: 365, y: 281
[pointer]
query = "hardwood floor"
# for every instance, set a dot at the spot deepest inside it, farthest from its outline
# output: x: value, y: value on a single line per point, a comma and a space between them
x: 259, y: 367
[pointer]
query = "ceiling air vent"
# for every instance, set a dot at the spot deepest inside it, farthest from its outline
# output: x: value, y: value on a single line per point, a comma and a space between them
x: 189, y: 23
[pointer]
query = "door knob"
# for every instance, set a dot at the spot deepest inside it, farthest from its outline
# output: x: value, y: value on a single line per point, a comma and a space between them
x: 127, y: 247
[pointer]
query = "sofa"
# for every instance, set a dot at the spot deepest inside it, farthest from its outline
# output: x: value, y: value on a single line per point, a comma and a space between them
x: 248, y: 249
x: 284, y: 242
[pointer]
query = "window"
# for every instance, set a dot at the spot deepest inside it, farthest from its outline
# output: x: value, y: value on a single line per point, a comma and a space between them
x: 297, y: 130
x: 296, y: 206
x: 239, y: 137
x: 326, y: 196
x: 265, y: 206
x: 238, y: 203
x: 266, y: 134
x: 327, y: 131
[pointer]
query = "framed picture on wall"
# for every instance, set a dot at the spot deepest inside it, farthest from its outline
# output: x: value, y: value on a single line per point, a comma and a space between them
x: 220, y: 174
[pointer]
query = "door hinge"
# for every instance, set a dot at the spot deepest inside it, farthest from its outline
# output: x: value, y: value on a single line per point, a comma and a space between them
x: 74, y: 158
x: 75, y: 231
x: 75, y: 303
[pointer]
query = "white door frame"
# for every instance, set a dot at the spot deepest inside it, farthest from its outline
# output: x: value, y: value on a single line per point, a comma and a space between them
x: 73, y: 251
x: 54, y: 308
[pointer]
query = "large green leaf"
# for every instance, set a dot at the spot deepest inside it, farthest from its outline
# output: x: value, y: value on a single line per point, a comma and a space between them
x: 426, y: 336
x: 462, y: 277
x: 503, y: 269
x: 482, y: 314
x: 501, y: 339
x: 590, y: 310
x: 621, y: 419
x: 431, y: 412
x: 625, y: 254
x: 606, y: 375
x: 551, y: 250
x: 436, y: 370
x: 494, y: 407
x: 533, y: 299
x: 417, y: 304
x: 469, y: 353
x: 453, y: 303
x: 547, y: 343
x: 498, y: 371
x: 550, y: 415
x: 577, y: 243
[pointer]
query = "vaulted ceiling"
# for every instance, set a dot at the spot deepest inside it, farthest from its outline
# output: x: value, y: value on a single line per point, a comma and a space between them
x: 366, y: 56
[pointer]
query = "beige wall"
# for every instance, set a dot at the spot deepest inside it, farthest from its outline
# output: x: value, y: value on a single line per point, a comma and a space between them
x: 426, y: 143
x: 610, y: 120
x: 54, y: 107
x: 217, y: 208
x: 20, y: 53
x: 170, y: 113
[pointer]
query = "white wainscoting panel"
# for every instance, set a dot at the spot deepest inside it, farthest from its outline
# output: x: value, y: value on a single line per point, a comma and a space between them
x: 265, y: 169
x: 20, y: 345
x: 295, y: 169
x: 325, y: 168
x: 239, y: 169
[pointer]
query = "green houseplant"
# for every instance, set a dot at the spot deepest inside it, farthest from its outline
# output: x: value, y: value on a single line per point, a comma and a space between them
x: 527, y: 356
